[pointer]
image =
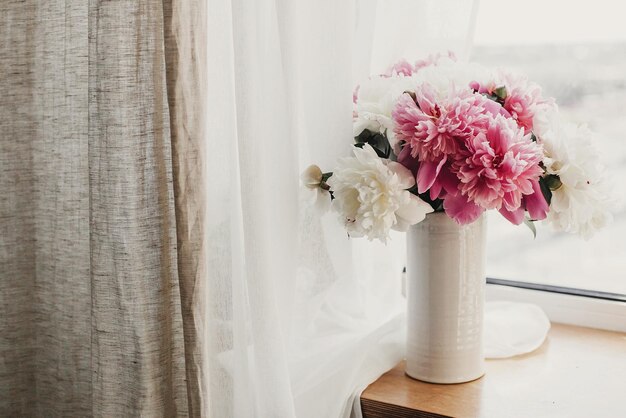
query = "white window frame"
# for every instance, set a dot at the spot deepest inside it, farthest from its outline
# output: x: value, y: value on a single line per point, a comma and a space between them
x: 592, y: 312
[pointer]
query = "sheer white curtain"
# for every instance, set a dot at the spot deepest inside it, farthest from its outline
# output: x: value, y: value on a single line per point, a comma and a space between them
x: 299, y: 317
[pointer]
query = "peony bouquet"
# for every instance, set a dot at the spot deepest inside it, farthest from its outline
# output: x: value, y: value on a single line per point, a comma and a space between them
x: 443, y: 135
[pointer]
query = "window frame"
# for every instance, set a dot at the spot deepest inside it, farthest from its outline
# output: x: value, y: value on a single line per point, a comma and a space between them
x: 580, y: 307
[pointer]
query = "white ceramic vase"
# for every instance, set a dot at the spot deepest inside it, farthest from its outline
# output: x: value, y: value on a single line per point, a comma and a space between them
x: 445, y: 293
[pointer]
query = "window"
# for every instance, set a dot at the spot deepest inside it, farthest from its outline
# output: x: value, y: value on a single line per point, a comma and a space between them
x: 578, y: 55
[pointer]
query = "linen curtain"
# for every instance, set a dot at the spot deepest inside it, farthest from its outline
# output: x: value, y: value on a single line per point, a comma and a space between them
x: 94, y: 317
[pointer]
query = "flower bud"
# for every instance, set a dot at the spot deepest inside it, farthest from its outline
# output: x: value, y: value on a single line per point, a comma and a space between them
x: 312, y: 177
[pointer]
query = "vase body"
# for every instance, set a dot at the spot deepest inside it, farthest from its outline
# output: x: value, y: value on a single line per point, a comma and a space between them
x: 445, y: 294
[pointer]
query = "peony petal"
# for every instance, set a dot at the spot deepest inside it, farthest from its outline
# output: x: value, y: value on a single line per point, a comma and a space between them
x: 427, y: 174
x: 406, y: 159
x: 359, y: 125
x: 512, y: 200
x: 494, y: 108
x: 435, y: 190
x: 461, y: 210
x: 536, y: 204
x: 412, y: 212
x: 449, y: 181
x: 404, y: 174
x: 365, y: 154
x: 401, y: 225
x: 516, y: 217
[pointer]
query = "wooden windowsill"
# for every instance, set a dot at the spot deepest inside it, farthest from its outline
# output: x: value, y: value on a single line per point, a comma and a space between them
x: 577, y: 372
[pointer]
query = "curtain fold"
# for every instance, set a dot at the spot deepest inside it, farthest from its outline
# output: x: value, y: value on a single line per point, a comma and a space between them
x: 45, y: 285
x: 91, y: 306
x: 137, y: 352
x: 297, y: 310
x: 185, y: 31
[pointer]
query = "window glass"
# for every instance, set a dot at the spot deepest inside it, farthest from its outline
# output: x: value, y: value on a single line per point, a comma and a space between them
x: 578, y: 55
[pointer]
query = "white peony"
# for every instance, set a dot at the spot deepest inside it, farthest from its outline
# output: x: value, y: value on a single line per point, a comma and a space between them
x: 312, y: 179
x: 583, y: 203
x: 450, y: 76
x: 376, y: 99
x: 546, y: 121
x: 371, y: 197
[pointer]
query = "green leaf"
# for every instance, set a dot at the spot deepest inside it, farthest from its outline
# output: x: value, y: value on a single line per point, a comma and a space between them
x: 500, y: 92
x: 498, y: 95
x: 376, y: 140
x: 365, y: 136
x: 531, y: 225
x: 553, y: 181
x: 545, y: 189
x: 491, y: 97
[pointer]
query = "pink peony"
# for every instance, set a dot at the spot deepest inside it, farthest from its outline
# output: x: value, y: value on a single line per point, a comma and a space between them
x: 355, y: 94
x: 402, y: 67
x: 472, y: 152
x: 435, y: 128
x: 485, y: 88
x: 521, y: 100
x: 522, y: 97
x: 437, y: 179
x: 501, y: 167
x: 535, y: 204
x: 436, y: 132
x: 459, y: 208
x: 434, y: 59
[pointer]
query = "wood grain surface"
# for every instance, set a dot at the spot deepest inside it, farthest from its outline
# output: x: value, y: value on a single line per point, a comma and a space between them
x: 577, y: 372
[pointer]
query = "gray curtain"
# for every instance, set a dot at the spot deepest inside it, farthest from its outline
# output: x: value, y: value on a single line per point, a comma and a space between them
x: 100, y: 227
